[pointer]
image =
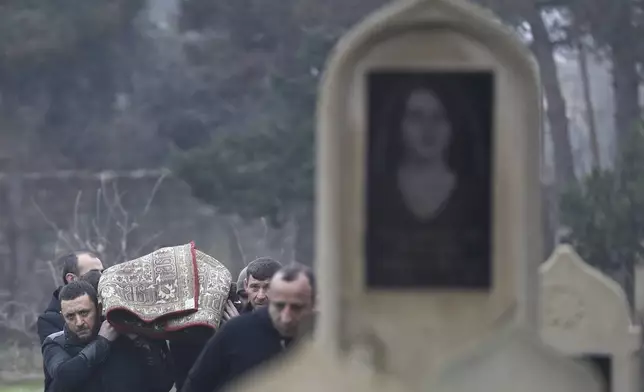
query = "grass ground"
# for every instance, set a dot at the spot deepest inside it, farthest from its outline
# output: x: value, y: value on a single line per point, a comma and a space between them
x: 22, y: 387
x: 20, y: 369
x: 26, y: 387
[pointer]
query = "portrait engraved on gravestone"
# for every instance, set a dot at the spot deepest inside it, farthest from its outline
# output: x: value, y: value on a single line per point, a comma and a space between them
x: 429, y: 180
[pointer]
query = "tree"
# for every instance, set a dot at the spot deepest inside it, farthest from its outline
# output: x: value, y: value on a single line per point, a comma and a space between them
x: 259, y: 161
x: 544, y: 49
x: 605, y: 214
x: 64, y: 61
x: 615, y: 28
x: 528, y: 18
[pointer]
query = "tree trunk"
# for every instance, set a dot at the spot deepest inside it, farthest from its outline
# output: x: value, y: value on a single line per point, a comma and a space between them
x: 235, y: 247
x: 20, y: 263
x: 624, y: 73
x: 556, y: 105
x: 7, y: 267
x: 627, y: 109
x: 304, y: 241
x: 588, y: 100
x: 549, y: 220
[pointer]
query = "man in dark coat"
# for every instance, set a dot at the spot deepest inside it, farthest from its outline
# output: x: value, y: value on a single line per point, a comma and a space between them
x: 75, y: 265
x: 258, y: 273
x: 90, y: 356
x: 251, y: 339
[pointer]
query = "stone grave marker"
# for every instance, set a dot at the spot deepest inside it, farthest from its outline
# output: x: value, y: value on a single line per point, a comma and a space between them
x: 428, y: 234
x: 586, y: 316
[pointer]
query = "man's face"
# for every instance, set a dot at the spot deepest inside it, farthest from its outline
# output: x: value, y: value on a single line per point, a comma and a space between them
x: 257, y: 291
x: 291, y: 304
x: 86, y: 263
x: 81, y: 317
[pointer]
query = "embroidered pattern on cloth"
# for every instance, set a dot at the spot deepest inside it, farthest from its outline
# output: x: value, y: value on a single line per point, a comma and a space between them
x: 168, y: 290
x: 214, y: 286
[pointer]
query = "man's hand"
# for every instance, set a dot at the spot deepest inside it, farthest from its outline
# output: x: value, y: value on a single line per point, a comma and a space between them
x: 230, y: 311
x: 108, y: 332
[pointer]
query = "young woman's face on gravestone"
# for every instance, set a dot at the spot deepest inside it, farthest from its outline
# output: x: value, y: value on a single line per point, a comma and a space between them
x: 425, y: 128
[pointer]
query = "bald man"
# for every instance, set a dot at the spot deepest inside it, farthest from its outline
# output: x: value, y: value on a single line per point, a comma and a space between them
x: 251, y: 339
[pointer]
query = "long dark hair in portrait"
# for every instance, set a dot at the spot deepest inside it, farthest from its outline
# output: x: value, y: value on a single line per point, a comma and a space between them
x: 469, y: 150
x: 458, y: 118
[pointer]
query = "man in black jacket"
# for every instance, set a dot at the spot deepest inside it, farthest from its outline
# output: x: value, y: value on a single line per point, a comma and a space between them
x: 258, y: 273
x: 90, y: 356
x: 75, y: 265
x: 251, y: 339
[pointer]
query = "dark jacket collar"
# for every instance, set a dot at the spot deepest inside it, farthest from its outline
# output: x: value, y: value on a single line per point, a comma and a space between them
x: 72, y: 339
x: 247, y: 309
x: 266, y: 320
x: 54, y: 304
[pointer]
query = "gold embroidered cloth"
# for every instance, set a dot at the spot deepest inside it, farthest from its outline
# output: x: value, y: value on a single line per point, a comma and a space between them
x: 165, y: 292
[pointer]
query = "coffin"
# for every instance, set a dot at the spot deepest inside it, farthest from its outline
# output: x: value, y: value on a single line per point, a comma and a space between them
x: 167, y: 294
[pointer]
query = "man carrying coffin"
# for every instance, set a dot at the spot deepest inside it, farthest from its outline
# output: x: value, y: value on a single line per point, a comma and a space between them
x: 75, y: 266
x: 252, y: 286
x: 91, y: 356
x: 254, y: 283
x: 251, y: 339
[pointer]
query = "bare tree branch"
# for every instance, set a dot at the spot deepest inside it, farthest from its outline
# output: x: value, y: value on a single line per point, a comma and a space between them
x: 50, y: 223
x: 79, y: 195
x: 108, y: 231
x: 155, y: 189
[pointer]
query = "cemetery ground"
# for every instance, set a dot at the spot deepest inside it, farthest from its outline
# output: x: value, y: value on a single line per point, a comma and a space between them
x: 20, y: 369
x: 31, y: 386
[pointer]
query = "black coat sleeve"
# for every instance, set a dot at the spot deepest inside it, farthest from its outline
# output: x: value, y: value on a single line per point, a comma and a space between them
x: 210, y: 371
x: 48, y: 323
x: 157, y: 364
x: 69, y: 373
x: 184, y: 353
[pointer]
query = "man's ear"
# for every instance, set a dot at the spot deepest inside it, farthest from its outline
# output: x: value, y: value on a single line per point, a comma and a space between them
x: 70, y: 278
x: 246, y: 284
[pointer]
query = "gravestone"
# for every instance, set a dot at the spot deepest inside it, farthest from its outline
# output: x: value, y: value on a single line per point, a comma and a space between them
x: 428, y: 213
x: 586, y: 315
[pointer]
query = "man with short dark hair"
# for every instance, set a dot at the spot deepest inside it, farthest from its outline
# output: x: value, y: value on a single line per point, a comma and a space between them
x: 90, y: 356
x: 258, y: 277
x: 75, y: 265
x: 253, y: 280
x: 251, y: 339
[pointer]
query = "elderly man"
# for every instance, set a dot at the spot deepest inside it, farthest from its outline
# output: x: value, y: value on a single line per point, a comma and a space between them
x: 91, y: 356
x: 251, y: 339
x: 75, y: 265
x: 252, y: 286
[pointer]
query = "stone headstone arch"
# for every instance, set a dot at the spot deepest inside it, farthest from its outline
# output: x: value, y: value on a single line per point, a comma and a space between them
x: 585, y: 315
